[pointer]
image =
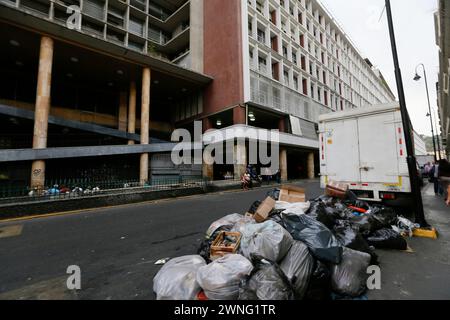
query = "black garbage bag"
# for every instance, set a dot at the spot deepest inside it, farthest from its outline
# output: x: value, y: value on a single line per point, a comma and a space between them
x: 322, y: 213
x: 319, y: 287
x: 385, y: 216
x: 254, y: 207
x: 365, y: 224
x: 298, y: 266
x: 274, y: 194
x: 319, y: 239
x: 351, y: 238
x: 349, y: 278
x: 327, y: 200
x: 387, y: 239
x: 266, y: 282
x: 276, y: 217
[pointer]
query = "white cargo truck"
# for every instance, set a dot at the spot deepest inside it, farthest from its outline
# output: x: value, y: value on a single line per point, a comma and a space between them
x: 365, y: 148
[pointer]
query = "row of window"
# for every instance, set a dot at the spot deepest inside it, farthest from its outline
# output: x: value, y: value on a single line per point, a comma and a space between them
x: 355, y: 71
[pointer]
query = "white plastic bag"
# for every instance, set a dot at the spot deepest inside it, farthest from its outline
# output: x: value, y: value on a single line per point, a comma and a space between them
x: 239, y: 226
x: 220, y: 279
x: 228, y: 220
x: 177, y: 279
x: 268, y: 240
x: 297, y: 208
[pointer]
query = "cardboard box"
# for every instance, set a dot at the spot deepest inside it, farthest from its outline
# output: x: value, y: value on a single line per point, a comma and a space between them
x: 292, y: 194
x: 264, y: 209
x: 336, y: 190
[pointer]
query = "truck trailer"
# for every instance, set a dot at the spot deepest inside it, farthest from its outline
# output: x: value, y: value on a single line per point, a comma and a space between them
x: 365, y: 148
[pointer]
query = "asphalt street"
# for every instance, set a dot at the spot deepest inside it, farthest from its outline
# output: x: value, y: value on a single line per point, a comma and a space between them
x: 116, y: 249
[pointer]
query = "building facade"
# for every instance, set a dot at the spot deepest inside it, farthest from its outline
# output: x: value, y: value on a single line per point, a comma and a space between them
x: 442, y: 23
x: 279, y: 64
x: 93, y: 89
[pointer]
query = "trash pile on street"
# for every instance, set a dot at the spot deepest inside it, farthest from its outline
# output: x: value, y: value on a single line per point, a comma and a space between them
x: 287, y: 248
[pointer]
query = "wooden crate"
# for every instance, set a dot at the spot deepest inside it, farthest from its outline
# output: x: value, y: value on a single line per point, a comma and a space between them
x: 219, y: 248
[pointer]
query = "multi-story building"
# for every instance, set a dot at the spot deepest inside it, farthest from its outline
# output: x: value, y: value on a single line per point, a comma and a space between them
x: 91, y: 88
x: 442, y: 23
x: 296, y: 63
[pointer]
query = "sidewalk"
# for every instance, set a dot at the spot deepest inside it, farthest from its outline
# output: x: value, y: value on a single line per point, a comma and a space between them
x: 425, y: 273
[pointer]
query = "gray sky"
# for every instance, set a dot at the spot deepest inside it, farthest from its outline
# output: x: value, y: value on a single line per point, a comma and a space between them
x: 415, y: 35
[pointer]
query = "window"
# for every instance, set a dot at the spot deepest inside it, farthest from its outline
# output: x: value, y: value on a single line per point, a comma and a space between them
x: 286, y: 77
x: 295, y: 82
x: 302, y: 40
x: 305, y: 86
x: 261, y: 36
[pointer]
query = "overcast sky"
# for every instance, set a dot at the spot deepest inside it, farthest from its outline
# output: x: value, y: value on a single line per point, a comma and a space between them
x: 414, y: 28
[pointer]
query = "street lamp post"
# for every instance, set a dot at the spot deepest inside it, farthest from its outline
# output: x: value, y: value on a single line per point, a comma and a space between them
x: 417, y: 78
x: 411, y: 159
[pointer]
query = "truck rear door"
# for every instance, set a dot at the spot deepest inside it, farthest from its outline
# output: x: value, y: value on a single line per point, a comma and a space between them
x: 341, y: 150
x: 378, y: 148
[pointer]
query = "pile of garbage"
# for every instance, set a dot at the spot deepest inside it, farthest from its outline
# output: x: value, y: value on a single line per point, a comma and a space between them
x: 287, y: 248
x: 57, y: 190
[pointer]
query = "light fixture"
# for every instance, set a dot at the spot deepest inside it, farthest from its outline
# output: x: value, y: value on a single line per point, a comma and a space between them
x: 110, y: 84
x: 14, y: 43
x: 69, y: 75
x: 74, y: 59
x: 251, y: 115
x: 19, y: 63
x: 253, y: 119
x: 417, y: 77
x: 156, y: 82
x: 219, y: 123
x: 184, y: 90
x: 119, y: 72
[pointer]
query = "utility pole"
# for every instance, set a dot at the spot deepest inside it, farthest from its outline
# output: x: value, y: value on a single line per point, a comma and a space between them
x: 411, y: 159
x: 417, y: 78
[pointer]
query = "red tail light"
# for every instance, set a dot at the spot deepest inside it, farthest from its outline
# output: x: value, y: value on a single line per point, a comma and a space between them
x: 387, y: 196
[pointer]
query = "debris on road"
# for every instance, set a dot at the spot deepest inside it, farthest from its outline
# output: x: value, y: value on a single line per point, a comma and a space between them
x: 286, y: 247
x: 162, y: 261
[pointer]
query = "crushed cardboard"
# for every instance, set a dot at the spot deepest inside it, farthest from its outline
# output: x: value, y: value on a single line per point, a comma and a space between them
x: 292, y: 194
x: 264, y: 209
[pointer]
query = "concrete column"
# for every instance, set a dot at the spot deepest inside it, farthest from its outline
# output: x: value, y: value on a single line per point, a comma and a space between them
x: 310, y: 166
x: 132, y: 111
x: 240, y: 160
x: 283, y: 164
x: 196, y: 35
x: 123, y: 111
x: 145, y: 123
x: 208, y: 169
x: 42, y: 109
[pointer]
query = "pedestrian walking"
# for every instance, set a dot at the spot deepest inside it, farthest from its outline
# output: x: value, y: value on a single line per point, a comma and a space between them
x: 434, y: 178
x: 444, y: 179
